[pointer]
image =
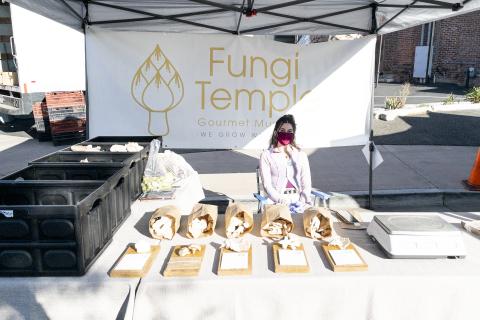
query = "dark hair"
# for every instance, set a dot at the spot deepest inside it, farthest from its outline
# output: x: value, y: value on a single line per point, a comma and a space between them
x: 287, y: 118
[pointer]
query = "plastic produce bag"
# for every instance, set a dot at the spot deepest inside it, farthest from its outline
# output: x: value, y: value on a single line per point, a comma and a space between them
x: 159, y: 164
x: 154, y: 167
x: 162, y: 171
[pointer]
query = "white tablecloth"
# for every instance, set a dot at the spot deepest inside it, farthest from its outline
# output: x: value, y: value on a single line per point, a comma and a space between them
x: 390, y: 289
x: 92, y: 296
x: 95, y: 295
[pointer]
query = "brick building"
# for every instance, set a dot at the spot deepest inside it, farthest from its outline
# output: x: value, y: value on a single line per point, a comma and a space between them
x: 455, y: 48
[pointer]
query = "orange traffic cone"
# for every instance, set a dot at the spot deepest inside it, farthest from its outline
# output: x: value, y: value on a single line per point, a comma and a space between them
x: 473, y: 181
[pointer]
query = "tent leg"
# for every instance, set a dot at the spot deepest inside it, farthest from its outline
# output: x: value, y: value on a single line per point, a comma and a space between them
x: 371, y: 148
x: 87, y: 107
x: 87, y: 104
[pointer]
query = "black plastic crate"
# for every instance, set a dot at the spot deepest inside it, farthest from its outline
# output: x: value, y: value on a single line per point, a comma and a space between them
x: 121, y: 139
x: 105, y: 147
x: 134, y: 162
x: 116, y: 180
x: 49, y: 228
x: 105, y: 142
x: 96, y: 158
x: 141, y: 155
x: 67, y: 137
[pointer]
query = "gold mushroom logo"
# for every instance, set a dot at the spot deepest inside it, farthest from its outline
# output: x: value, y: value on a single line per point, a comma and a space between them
x: 158, y: 88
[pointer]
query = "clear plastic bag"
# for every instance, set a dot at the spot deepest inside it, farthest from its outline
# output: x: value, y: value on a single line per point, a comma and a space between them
x: 164, y: 169
x: 159, y: 164
x: 154, y: 167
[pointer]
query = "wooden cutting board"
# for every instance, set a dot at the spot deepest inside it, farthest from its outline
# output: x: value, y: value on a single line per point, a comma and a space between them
x: 234, y: 272
x: 134, y: 273
x: 346, y: 267
x: 279, y: 268
x: 187, y: 266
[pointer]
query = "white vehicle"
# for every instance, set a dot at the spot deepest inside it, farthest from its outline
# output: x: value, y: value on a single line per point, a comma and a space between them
x: 38, y: 55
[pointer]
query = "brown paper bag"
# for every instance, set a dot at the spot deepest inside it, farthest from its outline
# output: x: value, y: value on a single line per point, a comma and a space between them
x: 171, y: 212
x: 324, y: 229
x: 276, y: 214
x: 240, y: 212
x: 205, y: 212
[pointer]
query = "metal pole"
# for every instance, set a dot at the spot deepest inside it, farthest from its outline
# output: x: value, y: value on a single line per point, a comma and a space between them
x: 379, y: 59
x: 371, y: 147
x: 87, y: 106
x: 430, y: 42
x: 370, y: 172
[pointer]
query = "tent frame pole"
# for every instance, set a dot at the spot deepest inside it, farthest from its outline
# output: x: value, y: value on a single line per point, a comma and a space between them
x: 311, y: 20
x: 240, y: 18
x: 416, y: 6
x: 151, y: 18
x: 72, y: 10
x: 224, y: 8
x: 154, y: 15
x: 371, y: 145
x: 85, y: 24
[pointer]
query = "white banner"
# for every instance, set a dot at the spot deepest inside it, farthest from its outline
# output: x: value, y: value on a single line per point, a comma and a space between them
x: 222, y: 91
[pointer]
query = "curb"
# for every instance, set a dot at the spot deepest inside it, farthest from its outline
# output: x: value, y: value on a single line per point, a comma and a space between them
x: 414, y: 109
x: 406, y: 198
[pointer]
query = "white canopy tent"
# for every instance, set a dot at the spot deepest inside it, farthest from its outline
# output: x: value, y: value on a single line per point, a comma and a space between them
x: 250, y: 16
x: 259, y: 17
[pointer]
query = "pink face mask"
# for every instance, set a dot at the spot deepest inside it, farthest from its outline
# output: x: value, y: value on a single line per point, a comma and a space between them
x: 285, y: 138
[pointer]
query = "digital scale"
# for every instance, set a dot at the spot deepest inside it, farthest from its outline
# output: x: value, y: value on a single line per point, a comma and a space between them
x: 416, y: 236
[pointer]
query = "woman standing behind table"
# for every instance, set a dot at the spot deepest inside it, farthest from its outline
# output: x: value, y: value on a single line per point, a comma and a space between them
x: 284, y: 168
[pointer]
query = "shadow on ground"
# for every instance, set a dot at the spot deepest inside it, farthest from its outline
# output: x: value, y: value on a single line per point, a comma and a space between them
x: 444, y: 88
x: 19, y: 127
x: 440, y: 88
x: 220, y: 161
x: 432, y: 129
x: 18, y: 156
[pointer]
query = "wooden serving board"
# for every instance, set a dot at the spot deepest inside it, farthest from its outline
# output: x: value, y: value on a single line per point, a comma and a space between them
x: 188, y: 266
x: 472, y: 230
x: 279, y: 268
x: 347, y: 267
x: 234, y: 272
x: 134, y: 273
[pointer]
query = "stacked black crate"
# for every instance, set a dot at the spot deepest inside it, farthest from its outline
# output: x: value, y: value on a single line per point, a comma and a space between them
x: 57, y: 215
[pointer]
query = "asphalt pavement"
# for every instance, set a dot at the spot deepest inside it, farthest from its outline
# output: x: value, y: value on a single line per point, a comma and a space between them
x: 418, y: 93
x: 459, y: 128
